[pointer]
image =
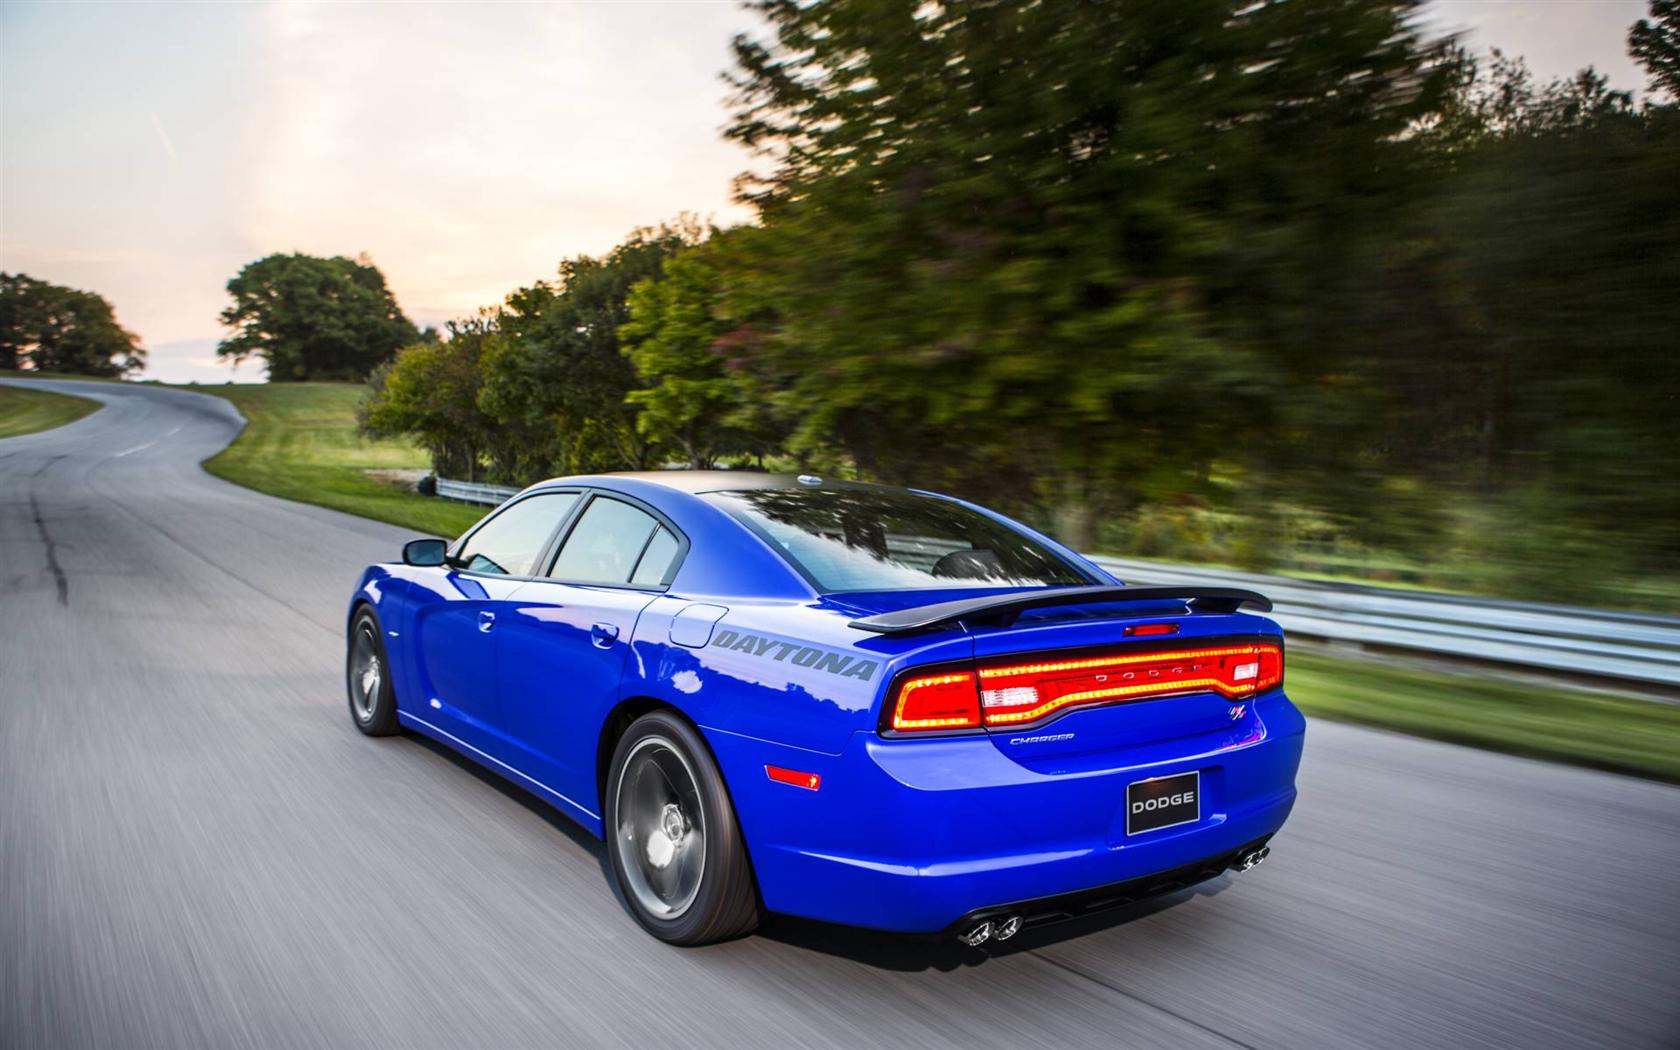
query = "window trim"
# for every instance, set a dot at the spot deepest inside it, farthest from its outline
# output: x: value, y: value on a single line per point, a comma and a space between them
x: 544, y: 552
x: 552, y: 554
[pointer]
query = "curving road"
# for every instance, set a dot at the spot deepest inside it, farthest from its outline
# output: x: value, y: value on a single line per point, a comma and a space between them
x: 197, y: 849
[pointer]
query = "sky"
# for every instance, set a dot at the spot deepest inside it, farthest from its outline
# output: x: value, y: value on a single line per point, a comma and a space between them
x: 148, y: 151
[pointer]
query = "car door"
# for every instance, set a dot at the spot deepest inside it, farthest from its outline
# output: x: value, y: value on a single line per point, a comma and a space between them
x: 563, y: 648
x: 454, y: 628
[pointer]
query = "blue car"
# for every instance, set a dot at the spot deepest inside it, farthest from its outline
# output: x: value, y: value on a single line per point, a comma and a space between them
x: 852, y: 703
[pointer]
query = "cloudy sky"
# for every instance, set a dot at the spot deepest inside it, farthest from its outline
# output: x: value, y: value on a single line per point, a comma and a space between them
x: 148, y: 151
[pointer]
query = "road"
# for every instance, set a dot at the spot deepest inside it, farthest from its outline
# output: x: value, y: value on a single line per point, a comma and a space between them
x: 198, y: 850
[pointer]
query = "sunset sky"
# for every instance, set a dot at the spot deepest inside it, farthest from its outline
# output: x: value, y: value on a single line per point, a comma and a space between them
x: 147, y: 151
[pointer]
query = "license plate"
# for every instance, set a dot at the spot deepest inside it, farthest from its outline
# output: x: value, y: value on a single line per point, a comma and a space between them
x: 1164, y: 802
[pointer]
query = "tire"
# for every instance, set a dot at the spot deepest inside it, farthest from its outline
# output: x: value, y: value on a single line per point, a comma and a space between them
x: 672, y: 838
x: 367, y: 677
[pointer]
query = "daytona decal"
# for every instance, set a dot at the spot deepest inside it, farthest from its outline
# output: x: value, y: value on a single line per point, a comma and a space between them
x: 798, y: 654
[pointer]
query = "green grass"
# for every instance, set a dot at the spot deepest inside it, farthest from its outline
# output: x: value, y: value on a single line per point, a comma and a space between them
x: 28, y: 411
x: 1626, y: 735
x: 302, y: 445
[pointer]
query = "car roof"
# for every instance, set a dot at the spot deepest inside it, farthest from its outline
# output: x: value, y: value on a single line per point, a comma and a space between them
x: 699, y: 481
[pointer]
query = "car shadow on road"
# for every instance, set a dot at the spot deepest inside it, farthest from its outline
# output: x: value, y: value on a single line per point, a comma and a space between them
x: 907, y: 953
x: 551, y: 816
x: 912, y: 953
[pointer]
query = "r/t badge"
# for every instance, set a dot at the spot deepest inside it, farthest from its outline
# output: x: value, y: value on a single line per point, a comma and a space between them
x: 1238, y: 711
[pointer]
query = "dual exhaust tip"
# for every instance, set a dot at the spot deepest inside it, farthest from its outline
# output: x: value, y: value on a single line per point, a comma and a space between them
x: 1001, y: 929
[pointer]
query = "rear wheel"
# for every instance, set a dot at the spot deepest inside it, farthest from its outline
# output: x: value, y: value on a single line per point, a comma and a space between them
x: 672, y: 838
x: 367, y: 674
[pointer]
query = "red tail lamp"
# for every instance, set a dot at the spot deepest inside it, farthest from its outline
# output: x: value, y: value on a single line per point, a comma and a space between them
x: 937, y: 701
x: 1023, y: 693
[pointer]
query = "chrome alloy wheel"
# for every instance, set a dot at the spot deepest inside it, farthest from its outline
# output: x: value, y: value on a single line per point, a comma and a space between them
x: 661, y: 828
x: 366, y: 673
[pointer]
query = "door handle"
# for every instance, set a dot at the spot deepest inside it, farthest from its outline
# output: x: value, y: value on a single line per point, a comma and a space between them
x: 603, y: 635
x: 486, y: 620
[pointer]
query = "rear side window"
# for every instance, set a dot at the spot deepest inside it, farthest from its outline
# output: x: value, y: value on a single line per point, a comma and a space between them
x: 611, y: 544
x: 887, y: 540
x: 657, y: 561
x: 509, y: 543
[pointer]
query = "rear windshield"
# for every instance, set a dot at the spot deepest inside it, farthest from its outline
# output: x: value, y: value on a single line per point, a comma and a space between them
x: 869, y: 540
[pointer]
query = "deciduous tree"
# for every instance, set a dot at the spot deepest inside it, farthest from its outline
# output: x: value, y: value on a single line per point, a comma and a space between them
x: 311, y: 318
x: 50, y: 328
x: 696, y: 398
x: 560, y: 369
x: 1070, y: 251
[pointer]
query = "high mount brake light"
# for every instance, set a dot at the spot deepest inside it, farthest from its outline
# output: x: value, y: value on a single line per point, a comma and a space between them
x: 1150, y: 630
x: 1017, y: 694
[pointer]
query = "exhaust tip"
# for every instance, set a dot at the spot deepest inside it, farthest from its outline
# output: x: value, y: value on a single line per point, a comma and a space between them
x: 1008, y: 928
x: 977, y: 935
x: 1252, y: 859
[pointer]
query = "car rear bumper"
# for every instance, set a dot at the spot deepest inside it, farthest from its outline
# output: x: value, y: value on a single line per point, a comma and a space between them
x: 917, y: 835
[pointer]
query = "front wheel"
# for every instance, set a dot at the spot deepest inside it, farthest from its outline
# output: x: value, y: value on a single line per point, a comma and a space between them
x: 672, y: 838
x: 367, y: 678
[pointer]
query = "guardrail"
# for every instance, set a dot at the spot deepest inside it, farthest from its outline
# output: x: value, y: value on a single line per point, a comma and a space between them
x: 1640, y: 649
x: 1589, y: 644
x: 474, y: 492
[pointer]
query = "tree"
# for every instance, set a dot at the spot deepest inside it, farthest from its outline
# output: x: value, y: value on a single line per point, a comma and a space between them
x: 312, y: 318
x: 1655, y: 44
x: 560, y: 372
x: 1569, y: 245
x: 1068, y: 253
x: 694, y: 400
x: 50, y: 328
x: 429, y: 392
x: 1499, y: 99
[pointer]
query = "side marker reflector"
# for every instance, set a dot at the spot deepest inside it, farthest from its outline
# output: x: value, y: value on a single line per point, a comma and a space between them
x: 808, y: 781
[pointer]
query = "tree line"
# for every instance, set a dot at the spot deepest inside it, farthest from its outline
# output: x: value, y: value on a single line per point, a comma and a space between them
x: 1294, y: 263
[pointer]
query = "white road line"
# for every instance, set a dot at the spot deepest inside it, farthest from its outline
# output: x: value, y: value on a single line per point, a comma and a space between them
x: 149, y: 444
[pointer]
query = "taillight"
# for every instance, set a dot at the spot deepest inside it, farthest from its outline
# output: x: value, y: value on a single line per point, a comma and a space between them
x: 937, y: 701
x: 1017, y: 694
x: 1022, y: 693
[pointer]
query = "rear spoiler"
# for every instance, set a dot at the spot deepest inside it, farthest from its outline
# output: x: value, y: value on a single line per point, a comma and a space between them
x: 1002, y: 609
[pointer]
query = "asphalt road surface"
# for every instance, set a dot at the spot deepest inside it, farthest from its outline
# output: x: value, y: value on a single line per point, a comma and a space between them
x: 197, y: 848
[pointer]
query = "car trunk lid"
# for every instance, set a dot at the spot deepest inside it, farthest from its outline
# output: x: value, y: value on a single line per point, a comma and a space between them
x: 1089, y: 679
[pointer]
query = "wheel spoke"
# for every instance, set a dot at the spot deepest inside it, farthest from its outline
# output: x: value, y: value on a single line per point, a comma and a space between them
x: 661, y: 831
x: 366, y: 673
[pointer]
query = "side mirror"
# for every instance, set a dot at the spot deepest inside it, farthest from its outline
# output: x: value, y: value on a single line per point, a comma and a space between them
x: 424, y: 552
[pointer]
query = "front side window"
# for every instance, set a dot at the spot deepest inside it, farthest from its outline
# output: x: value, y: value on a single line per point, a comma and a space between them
x: 615, y: 543
x: 509, y: 543
x: 886, y: 540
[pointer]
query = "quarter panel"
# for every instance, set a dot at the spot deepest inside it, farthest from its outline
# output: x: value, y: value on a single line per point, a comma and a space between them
x: 789, y: 672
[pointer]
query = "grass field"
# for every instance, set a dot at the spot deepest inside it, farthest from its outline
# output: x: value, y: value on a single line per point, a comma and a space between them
x: 1626, y: 735
x: 302, y: 445
x: 27, y: 411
